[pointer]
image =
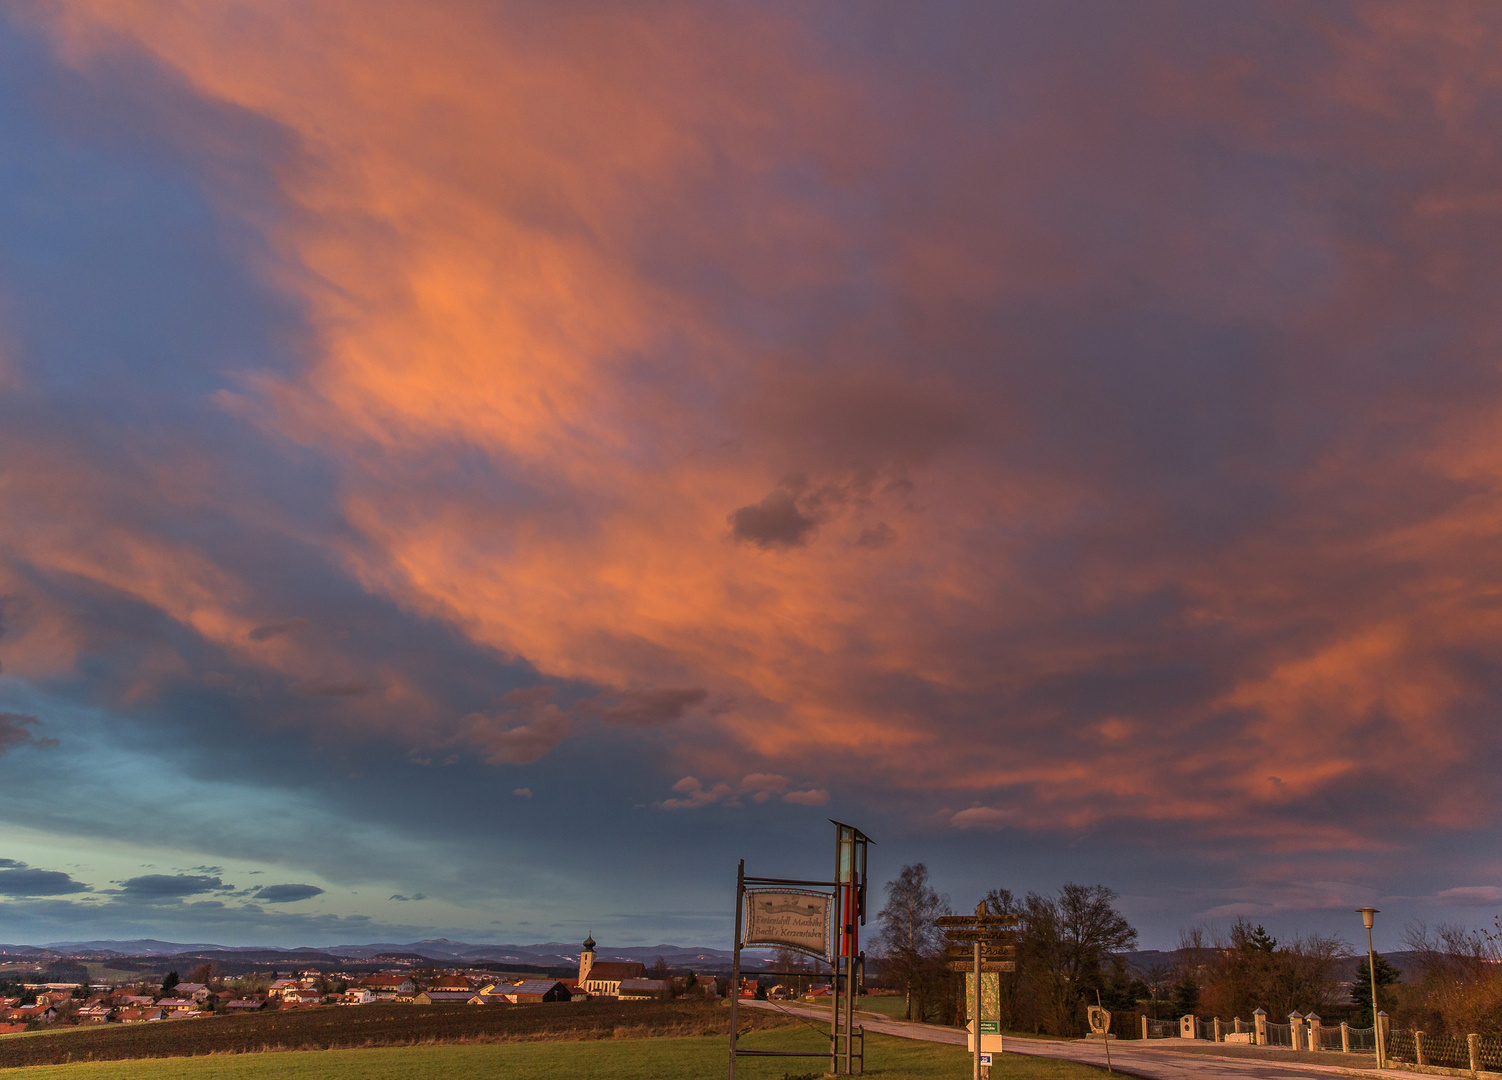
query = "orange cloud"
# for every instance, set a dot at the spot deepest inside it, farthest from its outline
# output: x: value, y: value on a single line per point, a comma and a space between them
x: 635, y: 357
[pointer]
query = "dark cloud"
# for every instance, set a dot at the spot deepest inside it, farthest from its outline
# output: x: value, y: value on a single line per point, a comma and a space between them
x: 276, y: 629
x: 522, y: 734
x: 774, y: 522
x: 18, y: 879
x: 169, y: 886
x: 407, y: 899
x: 287, y: 894
x: 333, y: 688
x: 18, y: 729
x: 644, y: 708
x: 879, y: 535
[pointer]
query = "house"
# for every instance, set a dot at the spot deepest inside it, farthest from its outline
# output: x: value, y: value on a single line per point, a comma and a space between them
x: 443, y: 997
x: 196, y: 991
x: 451, y: 984
x: 139, y: 1016
x: 93, y: 1014
x: 531, y: 990
x: 605, y: 978
x: 281, y: 986
x: 358, y: 995
x: 138, y: 1001
x: 242, y: 1005
x: 388, y: 986
x: 642, y: 989
x: 30, y: 1014
x: 299, y: 997
x: 176, y: 1005
x: 489, y: 999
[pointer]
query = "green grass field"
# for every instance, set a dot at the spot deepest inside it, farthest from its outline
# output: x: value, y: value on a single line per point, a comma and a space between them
x: 616, y: 1059
x: 894, y: 1007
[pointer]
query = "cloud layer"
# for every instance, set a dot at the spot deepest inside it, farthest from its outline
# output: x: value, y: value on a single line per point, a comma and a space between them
x: 1079, y: 420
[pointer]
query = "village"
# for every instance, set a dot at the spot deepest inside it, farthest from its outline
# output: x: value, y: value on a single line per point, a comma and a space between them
x: 205, y: 994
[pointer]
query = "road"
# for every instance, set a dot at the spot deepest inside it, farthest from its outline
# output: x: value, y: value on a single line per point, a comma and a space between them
x: 1152, y: 1061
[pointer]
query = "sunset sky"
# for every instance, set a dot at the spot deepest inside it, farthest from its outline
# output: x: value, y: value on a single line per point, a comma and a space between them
x: 493, y: 466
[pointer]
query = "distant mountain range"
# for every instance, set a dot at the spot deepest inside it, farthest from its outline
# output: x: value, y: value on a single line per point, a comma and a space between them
x: 551, y: 954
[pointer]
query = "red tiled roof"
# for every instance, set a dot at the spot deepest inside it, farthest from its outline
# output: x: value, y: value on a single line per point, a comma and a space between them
x: 615, y: 971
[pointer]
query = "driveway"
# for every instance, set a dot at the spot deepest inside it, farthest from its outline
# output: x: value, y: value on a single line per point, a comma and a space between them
x: 1155, y: 1060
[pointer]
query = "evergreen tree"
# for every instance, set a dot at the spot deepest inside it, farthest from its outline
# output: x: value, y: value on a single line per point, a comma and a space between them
x: 1259, y: 940
x: 1186, y: 996
x: 1361, y: 990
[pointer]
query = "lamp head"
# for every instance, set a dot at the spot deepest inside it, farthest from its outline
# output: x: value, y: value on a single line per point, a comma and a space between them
x: 1368, y: 916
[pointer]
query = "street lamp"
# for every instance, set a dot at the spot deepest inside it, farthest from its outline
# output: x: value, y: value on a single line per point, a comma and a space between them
x: 1369, y: 916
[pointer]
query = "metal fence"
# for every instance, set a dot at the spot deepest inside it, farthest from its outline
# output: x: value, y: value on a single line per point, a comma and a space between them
x: 1280, y: 1035
x: 1162, y: 1029
x: 1364, y: 1040
x: 1329, y: 1037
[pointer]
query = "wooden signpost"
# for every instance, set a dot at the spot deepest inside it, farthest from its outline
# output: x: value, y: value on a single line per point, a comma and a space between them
x: 979, y: 944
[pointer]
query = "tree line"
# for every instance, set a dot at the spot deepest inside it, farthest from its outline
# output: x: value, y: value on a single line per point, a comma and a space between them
x: 1070, y: 945
x: 1068, y: 948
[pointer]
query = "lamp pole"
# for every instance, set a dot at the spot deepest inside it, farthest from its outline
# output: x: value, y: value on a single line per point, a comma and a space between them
x: 1369, y: 916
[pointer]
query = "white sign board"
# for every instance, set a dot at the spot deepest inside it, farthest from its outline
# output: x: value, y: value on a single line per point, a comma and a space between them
x: 789, y: 918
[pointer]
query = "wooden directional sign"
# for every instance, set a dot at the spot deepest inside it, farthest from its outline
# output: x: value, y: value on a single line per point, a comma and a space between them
x: 987, y: 951
x: 985, y: 965
x: 985, y: 933
x: 976, y: 920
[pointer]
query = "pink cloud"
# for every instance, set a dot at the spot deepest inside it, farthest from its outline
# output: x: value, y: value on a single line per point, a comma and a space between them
x: 1097, y: 458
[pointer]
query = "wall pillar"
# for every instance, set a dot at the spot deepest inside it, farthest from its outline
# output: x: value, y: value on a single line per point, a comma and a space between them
x: 1296, y: 1029
x: 1472, y: 1043
x: 1144, y: 1027
x: 1345, y: 1037
x: 1259, y: 1026
x: 1218, y: 1036
x: 1314, y: 1025
x: 1418, y: 1047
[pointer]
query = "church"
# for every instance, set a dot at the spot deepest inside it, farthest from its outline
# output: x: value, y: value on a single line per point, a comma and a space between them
x: 604, y: 979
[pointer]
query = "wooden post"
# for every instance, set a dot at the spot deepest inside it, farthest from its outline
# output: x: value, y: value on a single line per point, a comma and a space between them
x: 1216, y: 1025
x: 1473, y: 1044
x: 1144, y: 1027
x: 1418, y: 1047
x: 1345, y: 1037
x: 976, y: 1013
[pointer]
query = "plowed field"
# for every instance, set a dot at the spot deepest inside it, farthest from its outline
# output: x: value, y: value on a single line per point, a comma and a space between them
x: 376, y: 1025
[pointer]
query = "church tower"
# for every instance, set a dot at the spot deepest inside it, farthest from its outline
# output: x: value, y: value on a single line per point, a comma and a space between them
x: 586, y: 958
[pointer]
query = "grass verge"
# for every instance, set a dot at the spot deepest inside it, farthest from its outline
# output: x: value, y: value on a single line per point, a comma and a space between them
x: 617, y: 1059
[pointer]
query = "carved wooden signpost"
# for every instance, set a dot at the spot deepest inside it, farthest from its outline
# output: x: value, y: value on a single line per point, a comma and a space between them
x: 981, y: 944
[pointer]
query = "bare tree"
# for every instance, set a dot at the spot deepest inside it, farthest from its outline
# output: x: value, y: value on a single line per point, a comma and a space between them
x: 911, y: 945
x: 1065, y: 946
x: 1459, y: 989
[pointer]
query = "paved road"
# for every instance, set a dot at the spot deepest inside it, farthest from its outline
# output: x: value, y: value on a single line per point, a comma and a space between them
x: 1152, y: 1062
